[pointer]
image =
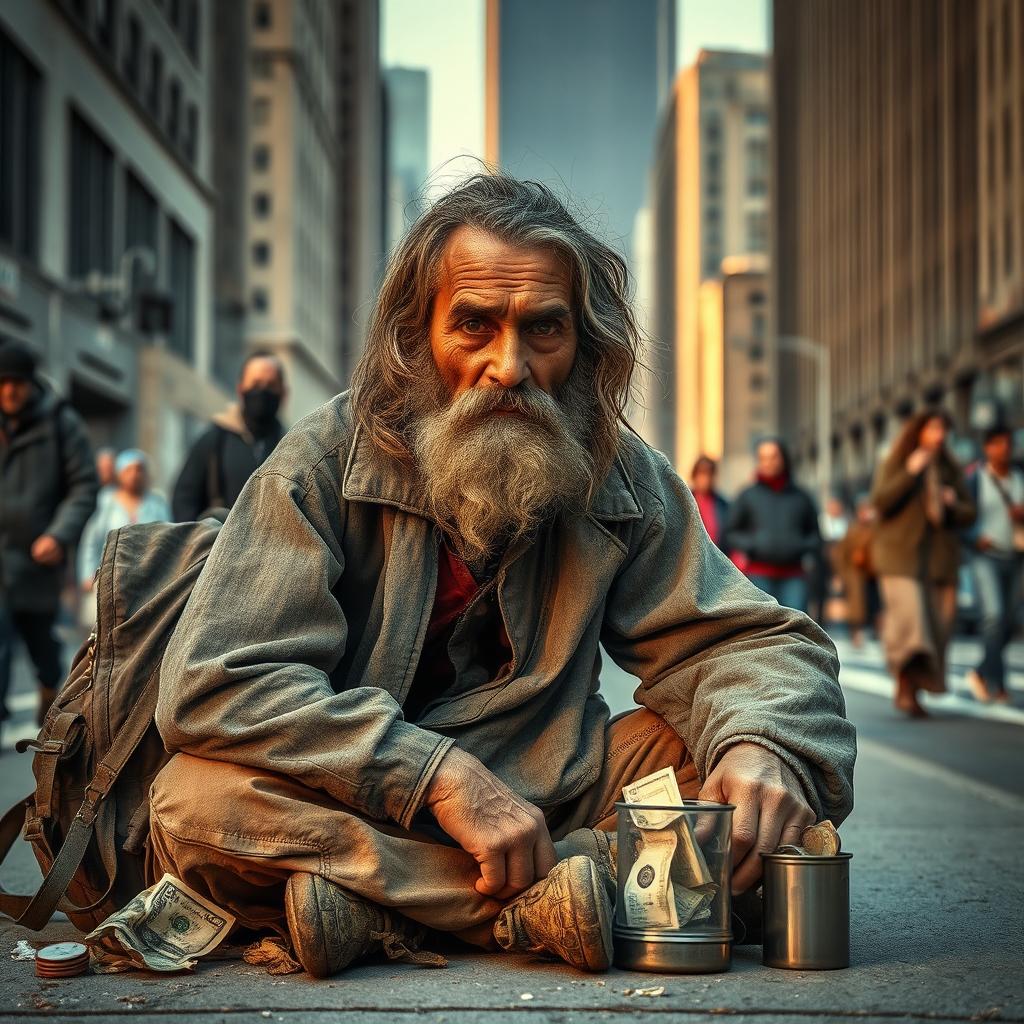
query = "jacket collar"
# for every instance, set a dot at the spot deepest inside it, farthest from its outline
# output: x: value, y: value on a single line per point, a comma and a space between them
x: 370, y: 475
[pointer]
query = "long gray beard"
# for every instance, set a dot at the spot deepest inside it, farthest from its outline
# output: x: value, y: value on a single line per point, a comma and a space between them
x: 492, y: 477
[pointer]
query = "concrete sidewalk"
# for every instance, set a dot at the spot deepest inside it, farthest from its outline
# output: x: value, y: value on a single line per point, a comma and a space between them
x: 937, y: 934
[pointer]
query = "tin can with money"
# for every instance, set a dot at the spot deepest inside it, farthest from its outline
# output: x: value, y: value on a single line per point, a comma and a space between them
x: 806, y: 910
x: 673, y: 907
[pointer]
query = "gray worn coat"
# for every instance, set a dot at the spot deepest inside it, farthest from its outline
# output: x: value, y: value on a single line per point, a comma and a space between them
x: 48, y: 485
x: 301, y: 638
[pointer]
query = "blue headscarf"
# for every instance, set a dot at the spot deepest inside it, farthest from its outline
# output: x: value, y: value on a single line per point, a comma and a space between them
x: 130, y: 456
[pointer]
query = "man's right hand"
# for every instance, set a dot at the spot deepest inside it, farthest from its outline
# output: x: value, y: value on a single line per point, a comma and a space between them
x: 505, y: 834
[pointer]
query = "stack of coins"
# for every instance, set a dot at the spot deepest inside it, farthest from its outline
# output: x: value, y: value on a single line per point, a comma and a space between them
x: 62, y: 960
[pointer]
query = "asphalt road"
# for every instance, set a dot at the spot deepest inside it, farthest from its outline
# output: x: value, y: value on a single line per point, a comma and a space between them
x: 937, y: 905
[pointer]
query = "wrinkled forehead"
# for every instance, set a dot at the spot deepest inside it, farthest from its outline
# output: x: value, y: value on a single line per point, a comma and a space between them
x: 477, y: 265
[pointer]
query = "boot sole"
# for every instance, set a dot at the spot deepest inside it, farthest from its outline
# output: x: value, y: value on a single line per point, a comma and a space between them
x: 307, y: 931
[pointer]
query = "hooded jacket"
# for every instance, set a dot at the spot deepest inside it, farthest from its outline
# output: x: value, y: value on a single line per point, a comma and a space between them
x: 48, y: 485
x: 220, y: 462
x: 301, y: 639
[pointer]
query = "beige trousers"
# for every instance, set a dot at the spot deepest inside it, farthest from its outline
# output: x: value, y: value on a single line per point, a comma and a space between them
x: 235, y: 835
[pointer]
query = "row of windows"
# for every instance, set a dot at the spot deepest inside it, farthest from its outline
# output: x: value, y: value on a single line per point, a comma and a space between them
x: 101, y: 18
x: 91, y: 242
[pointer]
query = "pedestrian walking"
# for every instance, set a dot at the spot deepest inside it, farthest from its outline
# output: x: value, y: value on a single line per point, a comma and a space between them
x: 237, y: 442
x: 852, y: 563
x: 922, y: 502
x: 833, y: 524
x: 713, y: 508
x: 997, y: 555
x: 48, y: 490
x: 774, y: 525
x: 130, y: 500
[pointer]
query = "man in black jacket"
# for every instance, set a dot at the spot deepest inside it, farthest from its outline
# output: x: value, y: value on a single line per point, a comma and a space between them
x: 48, y: 490
x: 236, y: 444
x: 774, y: 525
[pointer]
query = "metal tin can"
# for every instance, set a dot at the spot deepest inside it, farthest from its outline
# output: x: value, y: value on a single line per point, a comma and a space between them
x: 806, y: 911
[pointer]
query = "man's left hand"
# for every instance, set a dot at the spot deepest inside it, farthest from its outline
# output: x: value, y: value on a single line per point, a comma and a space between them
x: 771, y: 808
x: 47, y: 550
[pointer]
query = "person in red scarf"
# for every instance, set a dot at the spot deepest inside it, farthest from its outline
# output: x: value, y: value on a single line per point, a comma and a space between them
x: 774, y: 524
x: 713, y: 508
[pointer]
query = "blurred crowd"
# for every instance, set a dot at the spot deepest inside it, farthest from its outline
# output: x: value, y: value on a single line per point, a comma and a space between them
x: 896, y: 562
x: 892, y: 563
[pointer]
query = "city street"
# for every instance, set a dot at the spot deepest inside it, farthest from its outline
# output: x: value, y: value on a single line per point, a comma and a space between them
x: 937, y: 906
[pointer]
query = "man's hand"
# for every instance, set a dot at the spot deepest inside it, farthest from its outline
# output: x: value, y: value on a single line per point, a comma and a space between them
x: 506, y: 835
x: 983, y: 543
x: 770, y: 806
x: 47, y: 550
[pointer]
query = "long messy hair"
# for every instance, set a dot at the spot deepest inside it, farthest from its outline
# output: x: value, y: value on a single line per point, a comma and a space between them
x: 909, y: 436
x: 397, y: 359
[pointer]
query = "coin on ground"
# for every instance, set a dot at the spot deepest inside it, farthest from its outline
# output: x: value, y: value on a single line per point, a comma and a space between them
x: 62, y: 960
x: 821, y: 840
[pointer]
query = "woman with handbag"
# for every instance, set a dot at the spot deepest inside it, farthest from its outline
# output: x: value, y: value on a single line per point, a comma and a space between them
x: 997, y: 556
x: 922, y: 502
x: 852, y: 564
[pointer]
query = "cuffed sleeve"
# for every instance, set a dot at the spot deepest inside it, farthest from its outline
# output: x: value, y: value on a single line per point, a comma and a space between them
x: 246, y: 675
x: 721, y: 662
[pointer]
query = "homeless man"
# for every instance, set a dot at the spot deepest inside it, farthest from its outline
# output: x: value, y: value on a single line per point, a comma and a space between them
x: 384, y: 692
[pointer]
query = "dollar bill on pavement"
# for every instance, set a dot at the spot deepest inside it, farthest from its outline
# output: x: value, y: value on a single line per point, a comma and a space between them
x: 658, y: 788
x: 168, y: 927
x: 649, y: 898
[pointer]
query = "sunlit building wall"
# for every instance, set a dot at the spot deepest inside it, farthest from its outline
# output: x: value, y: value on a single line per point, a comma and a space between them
x: 899, y: 243
x: 407, y: 92
x: 709, y: 202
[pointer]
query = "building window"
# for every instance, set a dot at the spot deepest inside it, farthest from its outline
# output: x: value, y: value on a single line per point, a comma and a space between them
x: 261, y: 16
x: 192, y: 30
x: 262, y: 66
x: 260, y: 300
x: 261, y: 254
x: 261, y: 111
x: 106, y: 25
x: 712, y: 128
x: 757, y: 166
x: 91, y: 237
x: 183, y: 291
x: 191, y: 140
x: 756, y: 298
x: 757, y: 231
x: 261, y: 204
x: 141, y: 224
x: 131, y: 59
x: 756, y: 116
x: 20, y: 174
x: 154, y: 94
x: 713, y: 163
x: 261, y: 158
x: 174, y: 109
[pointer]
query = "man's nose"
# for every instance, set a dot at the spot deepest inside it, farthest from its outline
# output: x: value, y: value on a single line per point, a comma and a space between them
x: 509, y: 365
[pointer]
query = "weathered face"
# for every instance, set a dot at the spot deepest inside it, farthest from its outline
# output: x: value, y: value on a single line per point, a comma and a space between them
x: 502, y: 316
x: 769, y: 459
x: 14, y: 395
x: 933, y: 434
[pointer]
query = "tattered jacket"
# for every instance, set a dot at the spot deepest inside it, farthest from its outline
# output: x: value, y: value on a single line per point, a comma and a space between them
x: 302, y: 637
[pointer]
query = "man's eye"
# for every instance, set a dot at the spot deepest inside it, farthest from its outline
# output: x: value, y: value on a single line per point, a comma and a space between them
x: 545, y: 328
x: 474, y: 325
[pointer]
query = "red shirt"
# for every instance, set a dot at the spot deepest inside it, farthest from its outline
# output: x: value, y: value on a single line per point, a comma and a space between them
x: 435, y: 673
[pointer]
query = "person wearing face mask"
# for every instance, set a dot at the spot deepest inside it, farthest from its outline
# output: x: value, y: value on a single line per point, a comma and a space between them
x: 236, y: 444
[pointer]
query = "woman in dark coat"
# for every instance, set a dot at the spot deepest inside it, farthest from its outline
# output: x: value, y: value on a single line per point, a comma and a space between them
x: 922, y: 502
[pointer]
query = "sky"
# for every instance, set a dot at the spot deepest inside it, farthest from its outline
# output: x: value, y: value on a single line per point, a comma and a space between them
x: 446, y: 37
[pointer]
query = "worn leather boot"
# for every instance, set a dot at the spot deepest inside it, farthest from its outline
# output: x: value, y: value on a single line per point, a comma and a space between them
x: 600, y: 846
x: 331, y: 928
x: 567, y: 915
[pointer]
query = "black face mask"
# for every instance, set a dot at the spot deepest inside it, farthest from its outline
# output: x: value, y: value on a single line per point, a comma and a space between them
x: 259, y: 407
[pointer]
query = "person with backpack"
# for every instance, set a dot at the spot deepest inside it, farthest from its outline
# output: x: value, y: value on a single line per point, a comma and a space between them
x: 996, y: 541
x: 237, y: 442
x: 48, y: 489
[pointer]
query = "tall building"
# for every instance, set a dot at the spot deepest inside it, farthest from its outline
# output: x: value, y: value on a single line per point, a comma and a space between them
x: 899, y: 244
x: 407, y: 104
x: 293, y: 175
x: 572, y: 96
x: 105, y: 200
x: 361, y: 188
x: 709, y: 204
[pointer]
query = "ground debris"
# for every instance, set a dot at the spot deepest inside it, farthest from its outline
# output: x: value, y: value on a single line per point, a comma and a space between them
x: 992, y: 1013
x: 23, y: 950
x: 40, y: 1002
x: 651, y: 991
x: 272, y: 954
x: 132, y: 1000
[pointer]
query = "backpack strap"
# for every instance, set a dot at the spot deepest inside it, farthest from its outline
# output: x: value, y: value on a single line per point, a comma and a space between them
x: 35, y: 911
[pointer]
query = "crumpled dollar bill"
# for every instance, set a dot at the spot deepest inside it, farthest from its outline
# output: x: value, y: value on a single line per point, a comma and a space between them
x: 168, y: 927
